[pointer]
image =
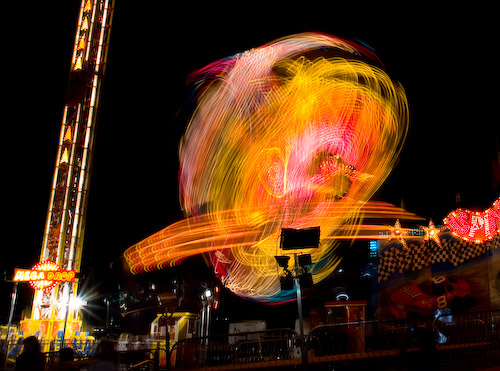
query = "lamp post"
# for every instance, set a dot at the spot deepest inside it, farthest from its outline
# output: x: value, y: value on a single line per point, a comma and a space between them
x: 9, y: 324
x: 296, y: 280
x: 11, y: 312
x: 298, y: 239
x: 207, y: 299
x: 74, y: 303
x: 164, y: 321
x: 65, y: 318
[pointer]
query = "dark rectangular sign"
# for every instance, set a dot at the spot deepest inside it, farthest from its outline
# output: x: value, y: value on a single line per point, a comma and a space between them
x: 299, y: 238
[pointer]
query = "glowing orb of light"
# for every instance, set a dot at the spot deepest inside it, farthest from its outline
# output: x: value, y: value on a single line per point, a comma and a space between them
x: 297, y: 133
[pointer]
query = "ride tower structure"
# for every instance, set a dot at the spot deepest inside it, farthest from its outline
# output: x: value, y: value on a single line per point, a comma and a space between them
x: 65, y: 224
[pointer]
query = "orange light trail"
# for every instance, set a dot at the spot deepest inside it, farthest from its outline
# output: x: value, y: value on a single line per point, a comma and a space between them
x: 279, y: 140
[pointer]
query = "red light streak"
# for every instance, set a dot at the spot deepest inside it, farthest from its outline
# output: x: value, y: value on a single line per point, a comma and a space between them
x: 279, y: 141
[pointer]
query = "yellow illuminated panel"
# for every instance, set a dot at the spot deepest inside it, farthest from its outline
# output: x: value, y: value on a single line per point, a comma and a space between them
x: 65, y: 157
x: 85, y: 25
x: 81, y: 44
x: 67, y: 136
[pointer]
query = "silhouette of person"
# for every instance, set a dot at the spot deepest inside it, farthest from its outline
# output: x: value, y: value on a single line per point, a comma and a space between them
x: 31, y: 359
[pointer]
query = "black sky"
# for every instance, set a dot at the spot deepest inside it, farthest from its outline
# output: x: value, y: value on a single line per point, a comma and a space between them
x: 446, y: 59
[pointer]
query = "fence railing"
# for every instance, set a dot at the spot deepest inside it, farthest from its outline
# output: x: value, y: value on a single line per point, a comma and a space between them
x: 364, y: 336
x: 458, y: 338
x: 151, y: 355
x: 474, y: 335
x: 468, y: 337
x: 467, y: 327
x: 244, y: 347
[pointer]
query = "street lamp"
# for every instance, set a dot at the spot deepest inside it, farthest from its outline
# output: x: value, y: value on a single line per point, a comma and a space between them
x: 74, y: 304
x: 298, y: 239
x: 206, y: 299
x: 9, y: 324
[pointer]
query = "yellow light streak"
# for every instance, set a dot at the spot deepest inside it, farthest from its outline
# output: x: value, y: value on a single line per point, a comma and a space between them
x: 279, y: 140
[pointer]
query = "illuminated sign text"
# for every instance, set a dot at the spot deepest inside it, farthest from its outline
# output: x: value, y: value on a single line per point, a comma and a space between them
x: 44, y: 275
x: 29, y: 275
x: 475, y: 226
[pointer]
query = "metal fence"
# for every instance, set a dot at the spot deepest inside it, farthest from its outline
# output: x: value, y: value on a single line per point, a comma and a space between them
x: 365, y: 336
x: 146, y: 356
x: 468, y: 338
x: 449, y: 341
x: 446, y: 340
x: 247, y: 347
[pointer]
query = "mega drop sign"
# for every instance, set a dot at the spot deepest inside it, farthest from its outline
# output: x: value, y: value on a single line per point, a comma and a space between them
x: 44, y: 275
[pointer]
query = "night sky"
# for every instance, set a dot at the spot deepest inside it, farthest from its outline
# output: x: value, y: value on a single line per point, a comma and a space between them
x: 445, y: 59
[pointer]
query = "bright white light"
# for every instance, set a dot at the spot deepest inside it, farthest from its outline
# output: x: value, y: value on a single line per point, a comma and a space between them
x: 208, y: 293
x: 342, y: 297
x: 76, y: 303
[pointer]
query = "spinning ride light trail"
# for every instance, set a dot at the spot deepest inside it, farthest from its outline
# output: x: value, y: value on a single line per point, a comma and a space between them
x: 299, y: 132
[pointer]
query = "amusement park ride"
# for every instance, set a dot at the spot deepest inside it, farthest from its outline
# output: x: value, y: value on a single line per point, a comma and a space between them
x: 255, y: 214
x: 54, y: 276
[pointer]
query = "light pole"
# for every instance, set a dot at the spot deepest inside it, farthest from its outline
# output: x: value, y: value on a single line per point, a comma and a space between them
x: 296, y: 280
x: 207, y: 299
x: 298, y: 239
x: 11, y: 312
x: 65, y: 317
x: 11, y: 315
x: 106, y: 299
x: 74, y: 303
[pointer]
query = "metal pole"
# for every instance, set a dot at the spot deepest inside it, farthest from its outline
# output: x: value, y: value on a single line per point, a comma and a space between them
x: 65, y: 318
x: 301, y: 320
x: 207, y: 322
x: 202, y: 325
x: 12, y: 306
x: 11, y: 315
x: 299, y: 304
x: 107, y: 314
x: 167, y: 343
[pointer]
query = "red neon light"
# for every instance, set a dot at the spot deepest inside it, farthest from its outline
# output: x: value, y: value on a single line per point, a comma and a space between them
x: 44, y: 275
x: 475, y: 226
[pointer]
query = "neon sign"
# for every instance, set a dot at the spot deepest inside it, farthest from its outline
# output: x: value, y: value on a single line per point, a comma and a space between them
x: 44, y: 275
x: 475, y: 226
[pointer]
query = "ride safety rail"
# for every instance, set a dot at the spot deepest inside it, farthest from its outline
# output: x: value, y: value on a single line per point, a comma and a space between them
x: 440, y: 341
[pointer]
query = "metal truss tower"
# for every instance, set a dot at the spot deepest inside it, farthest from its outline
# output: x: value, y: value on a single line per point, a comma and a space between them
x: 63, y: 234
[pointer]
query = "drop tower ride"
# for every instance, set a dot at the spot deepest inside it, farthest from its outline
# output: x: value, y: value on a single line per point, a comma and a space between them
x: 65, y: 224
